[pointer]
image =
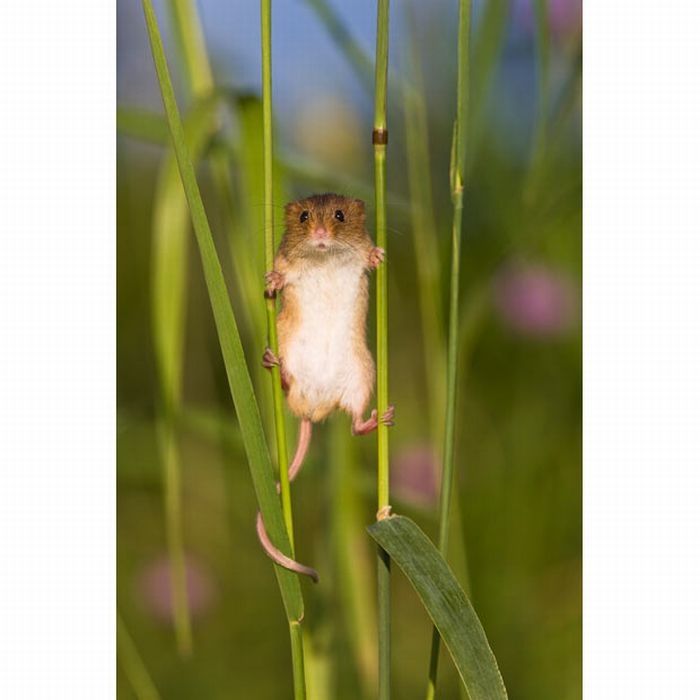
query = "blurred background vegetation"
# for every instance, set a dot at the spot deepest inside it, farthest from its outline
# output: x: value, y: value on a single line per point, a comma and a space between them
x: 517, y: 534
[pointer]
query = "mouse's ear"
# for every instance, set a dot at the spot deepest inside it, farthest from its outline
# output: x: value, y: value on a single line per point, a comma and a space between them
x: 359, y: 207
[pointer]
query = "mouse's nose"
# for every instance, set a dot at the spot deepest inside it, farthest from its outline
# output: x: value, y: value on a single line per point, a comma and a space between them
x: 320, y: 234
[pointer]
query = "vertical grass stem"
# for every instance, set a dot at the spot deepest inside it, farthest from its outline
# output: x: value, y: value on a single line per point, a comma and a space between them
x: 379, y: 139
x: 270, y: 306
x: 457, y: 168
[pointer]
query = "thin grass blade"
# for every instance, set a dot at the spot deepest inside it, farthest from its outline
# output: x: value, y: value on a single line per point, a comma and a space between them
x: 457, y: 175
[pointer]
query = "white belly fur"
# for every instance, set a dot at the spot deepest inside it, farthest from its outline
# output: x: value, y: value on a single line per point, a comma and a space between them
x: 321, y: 356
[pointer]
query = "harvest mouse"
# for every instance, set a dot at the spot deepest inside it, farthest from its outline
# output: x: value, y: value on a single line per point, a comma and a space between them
x: 325, y: 365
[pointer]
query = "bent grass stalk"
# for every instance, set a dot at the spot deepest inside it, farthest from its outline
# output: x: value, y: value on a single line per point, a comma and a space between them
x: 457, y: 165
x: 379, y: 140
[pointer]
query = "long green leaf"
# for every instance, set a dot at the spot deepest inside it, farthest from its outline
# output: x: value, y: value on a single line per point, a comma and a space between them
x: 229, y: 338
x: 445, y: 602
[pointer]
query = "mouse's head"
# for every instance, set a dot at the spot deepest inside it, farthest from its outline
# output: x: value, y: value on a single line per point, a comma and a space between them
x: 324, y: 223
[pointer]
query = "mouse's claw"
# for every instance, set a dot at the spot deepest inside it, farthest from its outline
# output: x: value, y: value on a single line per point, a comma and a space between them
x: 269, y: 359
x: 274, y: 282
x: 376, y: 257
x: 388, y: 416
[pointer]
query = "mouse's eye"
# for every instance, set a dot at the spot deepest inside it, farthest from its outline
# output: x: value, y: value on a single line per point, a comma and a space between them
x: 304, y: 216
x: 339, y: 215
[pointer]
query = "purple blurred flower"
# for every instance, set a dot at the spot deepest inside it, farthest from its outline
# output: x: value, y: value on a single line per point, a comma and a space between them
x: 415, y: 475
x: 535, y: 300
x: 154, y: 591
x: 564, y: 16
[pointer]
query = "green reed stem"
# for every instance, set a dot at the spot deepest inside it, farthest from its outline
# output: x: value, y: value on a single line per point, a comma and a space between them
x: 270, y: 306
x: 295, y: 630
x: 379, y: 140
x: 457, y: 167
x: 132, y: 664
x: 298, y: 671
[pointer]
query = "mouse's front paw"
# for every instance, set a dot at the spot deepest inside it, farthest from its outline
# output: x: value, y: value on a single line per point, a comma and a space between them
x: 274, y: 282
x: 376, y: 257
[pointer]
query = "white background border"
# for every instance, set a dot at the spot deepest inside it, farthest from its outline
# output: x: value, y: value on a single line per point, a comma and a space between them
x: 641, y: 350
x: 57, y: 371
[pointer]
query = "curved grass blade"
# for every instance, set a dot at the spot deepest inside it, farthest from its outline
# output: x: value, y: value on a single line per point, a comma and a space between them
x: 236, y: 370
x: 445, y: 602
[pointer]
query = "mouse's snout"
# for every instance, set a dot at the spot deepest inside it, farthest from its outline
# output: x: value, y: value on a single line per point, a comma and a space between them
x: 320, y: 236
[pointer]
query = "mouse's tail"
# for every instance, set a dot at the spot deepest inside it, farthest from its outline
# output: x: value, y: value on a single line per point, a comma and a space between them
x: 279, y: 557
x: 275, y: 554
x: 302, y: 448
